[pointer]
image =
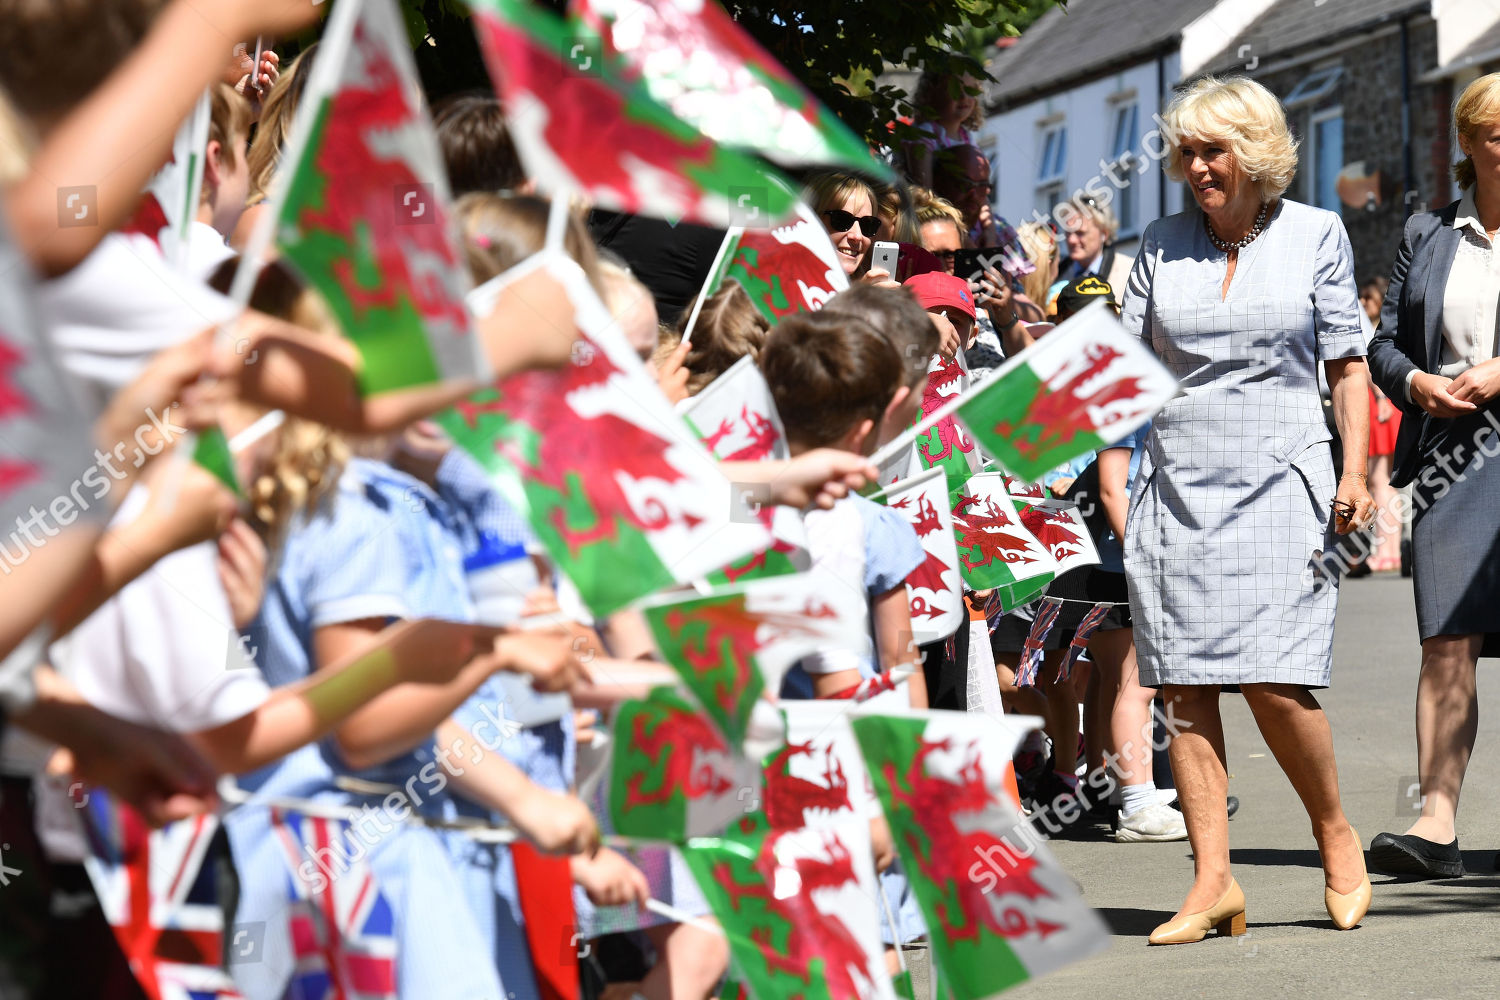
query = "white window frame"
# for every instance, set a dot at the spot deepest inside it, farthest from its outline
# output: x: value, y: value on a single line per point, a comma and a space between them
x: 1314, y: 119
x: 1051, y: 183
x: 1126, y: 159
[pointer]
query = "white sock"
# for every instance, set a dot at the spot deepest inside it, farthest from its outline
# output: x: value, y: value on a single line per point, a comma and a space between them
x: 1134, y: 798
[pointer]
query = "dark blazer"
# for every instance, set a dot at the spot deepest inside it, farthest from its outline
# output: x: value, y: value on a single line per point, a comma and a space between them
x: 1411, y: 327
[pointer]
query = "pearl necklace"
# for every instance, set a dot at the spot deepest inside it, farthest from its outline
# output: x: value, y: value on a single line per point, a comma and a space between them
x: 1244, y: 241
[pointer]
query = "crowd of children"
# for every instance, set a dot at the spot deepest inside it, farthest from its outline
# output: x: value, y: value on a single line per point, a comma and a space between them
x: 345, y: 634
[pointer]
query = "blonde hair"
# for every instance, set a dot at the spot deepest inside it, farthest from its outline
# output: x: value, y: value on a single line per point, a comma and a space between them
x: 729, y: 327
x: 500, y: 231
x: 1478, y: 105
x: 303, y: 471
x: 275, y: 123
x: 830, y: 189
x: 1041, y: 246
x: 1243, y: 115
x: 931, y: 208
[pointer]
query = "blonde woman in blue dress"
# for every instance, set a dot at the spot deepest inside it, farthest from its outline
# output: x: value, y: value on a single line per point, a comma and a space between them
x: 1236, y: 500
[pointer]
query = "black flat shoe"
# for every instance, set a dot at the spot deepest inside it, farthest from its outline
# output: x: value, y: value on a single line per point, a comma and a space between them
x: 1401, y: 854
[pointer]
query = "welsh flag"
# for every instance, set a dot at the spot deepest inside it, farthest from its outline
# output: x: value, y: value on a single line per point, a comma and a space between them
x: 580, y: 127
x: 787, y: 269
x: 1058, y: 526
x: 994, y: 547
x: 817, y: 779
x: 695, y: 60
x: 362, y: 207
x: 732, y: 644
x: 671, y: 774
x: 1000, y: 909
x: 625, y: 501
x: 1083, y: 386
x: 945, y: 444
x: 735, y: 418
x: 934, y: 589
x: 170, y: 203
x: 799, y: 908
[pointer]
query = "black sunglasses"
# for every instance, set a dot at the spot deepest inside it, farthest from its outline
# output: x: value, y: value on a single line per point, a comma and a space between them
x: 840, y: 221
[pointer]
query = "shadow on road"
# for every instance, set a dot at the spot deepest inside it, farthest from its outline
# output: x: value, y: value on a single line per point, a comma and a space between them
x: 1131, y: 922
x: 1275, y: 857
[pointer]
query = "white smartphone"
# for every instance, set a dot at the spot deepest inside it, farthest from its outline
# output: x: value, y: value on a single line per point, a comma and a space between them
x: 885, y: 257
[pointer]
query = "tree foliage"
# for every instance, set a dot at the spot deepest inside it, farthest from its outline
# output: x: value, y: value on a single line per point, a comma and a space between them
x: 825, y: 43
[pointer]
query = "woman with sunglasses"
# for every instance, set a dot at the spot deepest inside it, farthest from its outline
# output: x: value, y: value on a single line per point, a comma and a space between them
x: 846, y: 204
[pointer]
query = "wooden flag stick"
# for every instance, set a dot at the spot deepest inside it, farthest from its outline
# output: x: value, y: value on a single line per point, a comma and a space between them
x: 674, y: 914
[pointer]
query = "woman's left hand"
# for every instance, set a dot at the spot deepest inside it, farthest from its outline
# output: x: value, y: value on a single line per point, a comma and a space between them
x: 1353, y: 508
x: 1479, y: 384
x: 879, y: 277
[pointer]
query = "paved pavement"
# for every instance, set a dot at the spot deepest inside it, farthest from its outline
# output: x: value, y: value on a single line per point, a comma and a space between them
x: 1425, y: 940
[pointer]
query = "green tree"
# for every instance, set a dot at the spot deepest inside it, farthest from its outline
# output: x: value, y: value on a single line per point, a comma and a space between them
x: 834, y: 46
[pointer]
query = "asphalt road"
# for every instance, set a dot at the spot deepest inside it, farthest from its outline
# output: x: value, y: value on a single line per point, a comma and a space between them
x: 1427, y: 940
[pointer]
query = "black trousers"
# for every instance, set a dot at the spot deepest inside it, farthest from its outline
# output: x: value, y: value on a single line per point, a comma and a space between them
x: 948, y: 679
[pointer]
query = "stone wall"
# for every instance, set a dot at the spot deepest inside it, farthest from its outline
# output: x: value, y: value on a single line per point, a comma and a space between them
x: 1370, y: 94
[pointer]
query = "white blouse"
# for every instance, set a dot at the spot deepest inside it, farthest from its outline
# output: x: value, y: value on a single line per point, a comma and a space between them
x: 1470, y: 298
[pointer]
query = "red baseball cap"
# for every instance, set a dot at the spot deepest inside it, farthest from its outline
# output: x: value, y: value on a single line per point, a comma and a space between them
x: 935, y: 289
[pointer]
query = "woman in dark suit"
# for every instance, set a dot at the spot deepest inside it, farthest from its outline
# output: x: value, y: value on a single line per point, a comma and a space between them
x: 1435, y: 357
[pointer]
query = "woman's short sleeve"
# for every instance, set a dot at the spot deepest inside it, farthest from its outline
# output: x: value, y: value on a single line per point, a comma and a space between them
x: 1336, y: 307
x: 1135, y: 298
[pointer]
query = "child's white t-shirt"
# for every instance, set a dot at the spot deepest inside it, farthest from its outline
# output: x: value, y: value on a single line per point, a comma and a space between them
x: 206, y: 250
x: 113, y: 312
x: 162, y: 652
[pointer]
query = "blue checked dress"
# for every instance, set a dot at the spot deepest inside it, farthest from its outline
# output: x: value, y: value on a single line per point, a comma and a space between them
x: 1230, y: 511
x: 353, y: 560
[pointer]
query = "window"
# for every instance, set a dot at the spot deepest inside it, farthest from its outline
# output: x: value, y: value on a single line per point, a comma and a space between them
x: 1122, y: 152
x: 1052, y: 166
x: 1325, y: 157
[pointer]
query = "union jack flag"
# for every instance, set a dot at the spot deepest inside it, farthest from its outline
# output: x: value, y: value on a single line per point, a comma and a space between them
x: 1031, y: 650
x: 1081, y: 639
x: 159, y: 897
x: 342, y: 926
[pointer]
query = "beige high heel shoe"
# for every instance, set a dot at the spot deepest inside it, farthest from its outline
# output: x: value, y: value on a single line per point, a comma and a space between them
x: 1227, y: 916
x: 1347, y: 909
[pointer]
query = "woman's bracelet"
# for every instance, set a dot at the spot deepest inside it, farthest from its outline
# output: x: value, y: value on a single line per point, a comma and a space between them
x: 1008, y: 323
x: 1356, y: 475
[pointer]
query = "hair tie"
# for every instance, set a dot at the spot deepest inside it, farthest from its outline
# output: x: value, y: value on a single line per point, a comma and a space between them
x: 482, y: 241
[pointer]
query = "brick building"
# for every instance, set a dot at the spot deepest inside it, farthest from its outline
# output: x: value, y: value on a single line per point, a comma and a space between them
x: 1368, y: 86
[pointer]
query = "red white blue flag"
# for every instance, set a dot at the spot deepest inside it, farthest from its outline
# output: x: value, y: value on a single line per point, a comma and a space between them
x: 342, y: 926
x: 159, y: 897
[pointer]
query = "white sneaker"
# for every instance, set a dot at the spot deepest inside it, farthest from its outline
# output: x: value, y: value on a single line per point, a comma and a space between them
x: 1153, y: 823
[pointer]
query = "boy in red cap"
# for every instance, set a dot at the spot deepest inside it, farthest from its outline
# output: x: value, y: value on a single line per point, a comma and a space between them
x: 948, y: 296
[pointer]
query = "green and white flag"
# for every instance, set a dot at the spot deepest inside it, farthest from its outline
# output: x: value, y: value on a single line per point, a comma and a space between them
x: 1083, y: 386
x: 800, y: 908
x: 994, y: 548
x: 934, y: 589
x: 733, y: 644
x: 735, y: 418
x: 694, y: 59
x: 817, y: 778
x: 581, y: 126
x: 170, y: 203
x: 361, y: 208
x: 672, y: 775
x: 945, y: 444
x: 624, y: 499
x: 999, y: 909
x: 785, y: 270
